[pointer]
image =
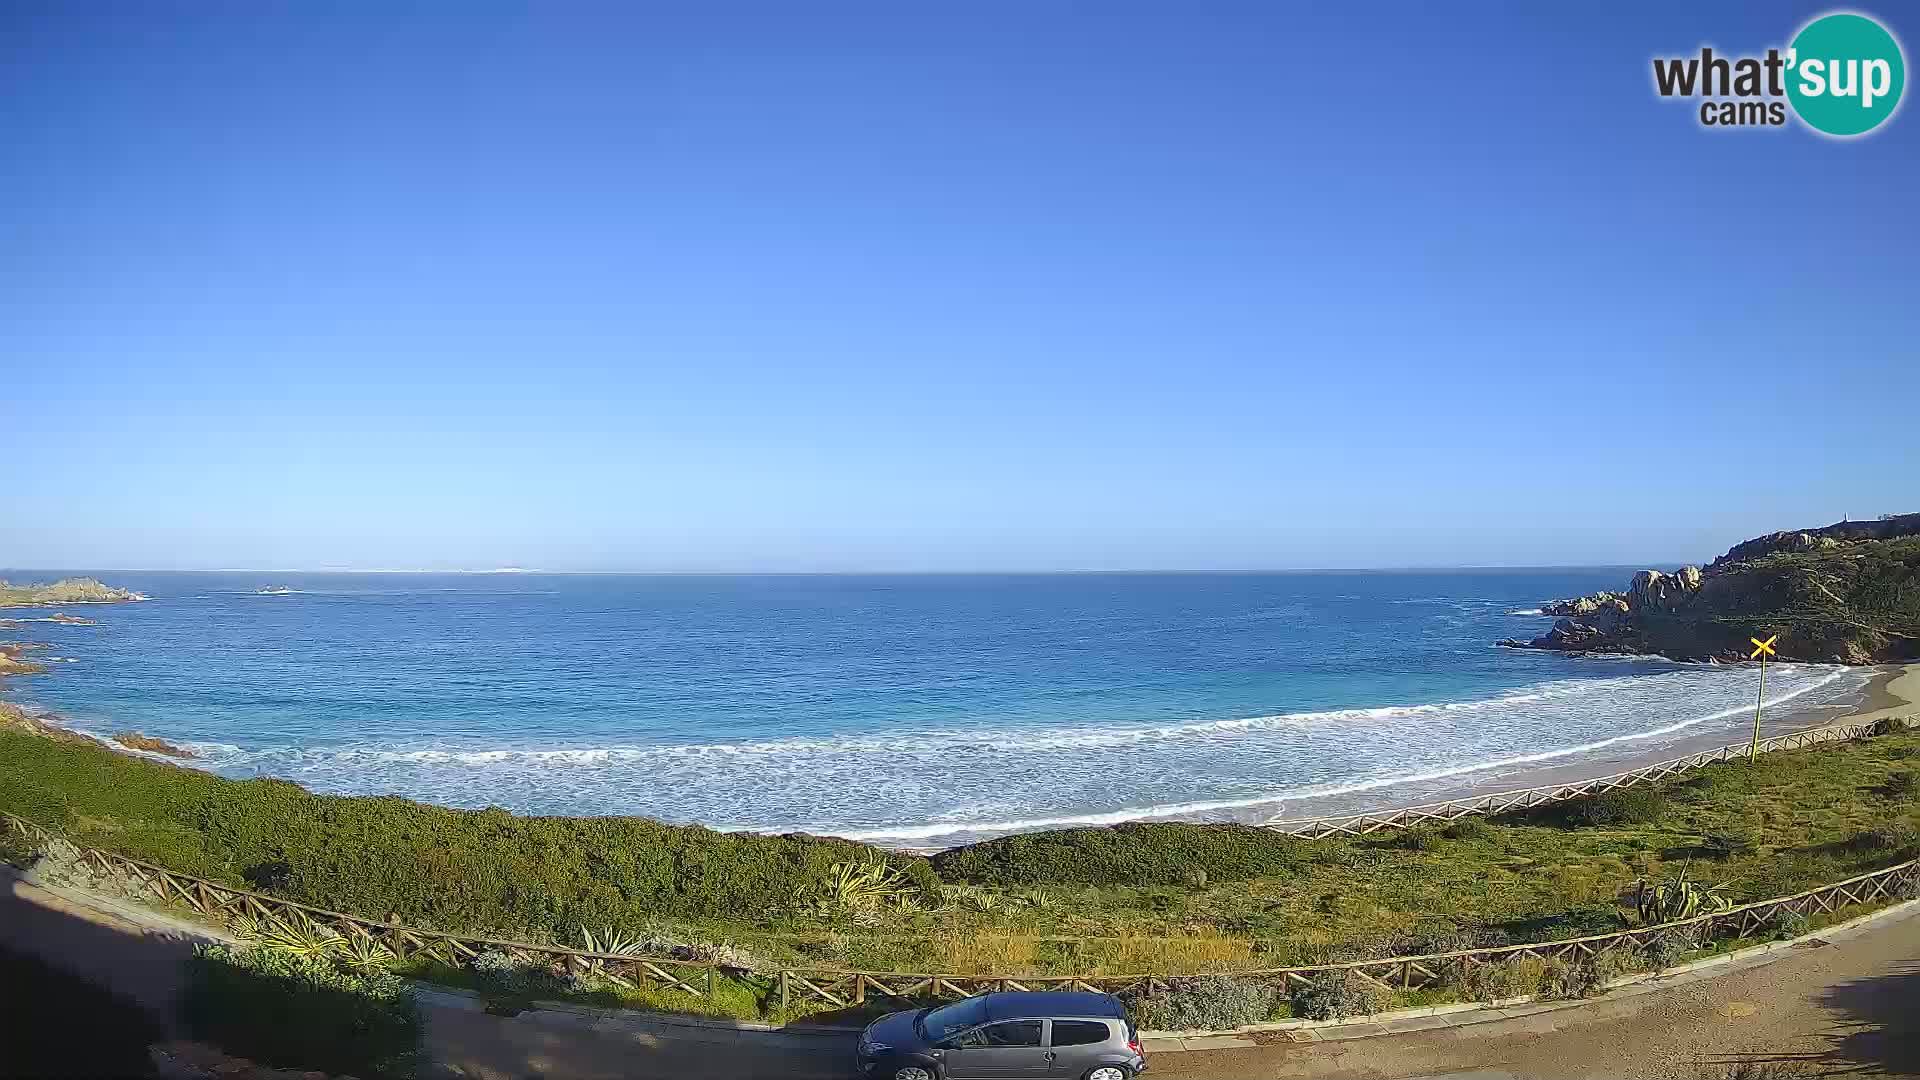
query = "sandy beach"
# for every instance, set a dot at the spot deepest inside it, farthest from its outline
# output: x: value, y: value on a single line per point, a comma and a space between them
x: 1893, y: 691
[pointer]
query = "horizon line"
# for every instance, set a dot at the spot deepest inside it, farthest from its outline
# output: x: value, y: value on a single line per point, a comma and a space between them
x: 519, y: 571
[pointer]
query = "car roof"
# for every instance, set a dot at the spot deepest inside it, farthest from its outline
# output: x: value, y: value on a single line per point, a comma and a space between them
x: 1014, y: 1005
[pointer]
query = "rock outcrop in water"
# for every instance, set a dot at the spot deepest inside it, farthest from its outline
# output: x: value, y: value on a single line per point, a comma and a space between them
x: 64, y: 591
x: 1847, y: 593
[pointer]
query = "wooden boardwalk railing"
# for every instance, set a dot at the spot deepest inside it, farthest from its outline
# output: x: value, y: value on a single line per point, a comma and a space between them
x: 1405, y: 817
x: 234, y: 907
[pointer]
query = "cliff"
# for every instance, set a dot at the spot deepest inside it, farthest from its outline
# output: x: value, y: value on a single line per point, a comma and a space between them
x: 1847, y: 593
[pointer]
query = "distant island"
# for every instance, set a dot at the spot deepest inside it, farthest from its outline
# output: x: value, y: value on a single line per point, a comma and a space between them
x: 1848, y: 593
x: 64, y: 591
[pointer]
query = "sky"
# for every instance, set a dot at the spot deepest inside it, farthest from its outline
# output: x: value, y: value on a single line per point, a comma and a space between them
x: 992, y: 286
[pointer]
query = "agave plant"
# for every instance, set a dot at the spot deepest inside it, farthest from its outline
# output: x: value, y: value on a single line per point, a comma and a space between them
x: 1676, y: 899
x: 612, y: 941
x: 985, y: 903
x: 294, y: 936
x: 1039, y: 899
x: 363, y: 953
x: 855, y: 889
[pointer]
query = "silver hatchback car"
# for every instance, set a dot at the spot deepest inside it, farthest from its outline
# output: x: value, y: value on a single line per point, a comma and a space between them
x: 1073, y: 1036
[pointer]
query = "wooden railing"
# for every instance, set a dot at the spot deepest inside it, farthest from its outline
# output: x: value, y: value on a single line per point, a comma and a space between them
x: 237, y: 908
x: 1900, y: 882
x: 1502, y: 801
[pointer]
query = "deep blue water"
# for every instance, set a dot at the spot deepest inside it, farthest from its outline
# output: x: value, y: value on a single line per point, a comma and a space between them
x: 903, y: 708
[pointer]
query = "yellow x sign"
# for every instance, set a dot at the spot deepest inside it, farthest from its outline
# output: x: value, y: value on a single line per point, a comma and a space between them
x: 1762, y: 648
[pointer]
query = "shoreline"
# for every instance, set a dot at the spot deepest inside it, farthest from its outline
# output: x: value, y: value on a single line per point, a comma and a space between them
x: 1893, y: 689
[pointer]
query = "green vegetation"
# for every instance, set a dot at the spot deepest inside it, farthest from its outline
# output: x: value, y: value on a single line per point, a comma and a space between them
x: 60, y: 1025
x: 1680, y: 898
x: 1135, y: 854
x: 1339, y: 998
x: 1208, y: 1003
x: 390, y: 858
x: 1170, y: 898
x: 1859, y: 600
x: 64, y: 591
x: 301, y: 1010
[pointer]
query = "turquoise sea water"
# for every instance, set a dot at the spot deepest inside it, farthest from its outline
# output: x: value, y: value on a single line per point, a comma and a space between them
x: 905, y: 709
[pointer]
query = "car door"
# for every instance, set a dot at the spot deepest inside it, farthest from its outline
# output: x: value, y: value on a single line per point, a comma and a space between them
x: 1077, y: 1045
x: 1009, y: 1048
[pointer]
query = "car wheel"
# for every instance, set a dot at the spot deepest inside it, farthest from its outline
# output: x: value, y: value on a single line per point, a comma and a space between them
x: 912, y: 1072
x: 1110, y: 1072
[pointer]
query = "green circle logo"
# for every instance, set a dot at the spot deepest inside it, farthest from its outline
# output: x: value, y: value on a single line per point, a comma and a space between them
x: 1845, y: 74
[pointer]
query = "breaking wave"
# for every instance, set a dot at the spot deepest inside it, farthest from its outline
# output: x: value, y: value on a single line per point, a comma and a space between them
x: 926, y: 785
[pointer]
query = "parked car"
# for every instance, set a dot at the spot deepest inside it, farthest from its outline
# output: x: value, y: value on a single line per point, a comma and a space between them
x: 1075, y: 1036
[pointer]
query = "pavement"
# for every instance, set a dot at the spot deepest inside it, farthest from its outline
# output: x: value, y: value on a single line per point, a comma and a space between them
x: 1846, y: 1004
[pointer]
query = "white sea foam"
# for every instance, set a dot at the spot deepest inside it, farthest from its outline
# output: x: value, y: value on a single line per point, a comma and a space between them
x: 1527, y: 611
x: 916, y: 786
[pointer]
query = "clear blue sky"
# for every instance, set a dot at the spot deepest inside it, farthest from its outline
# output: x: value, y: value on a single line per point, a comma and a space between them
x: 914, y: 286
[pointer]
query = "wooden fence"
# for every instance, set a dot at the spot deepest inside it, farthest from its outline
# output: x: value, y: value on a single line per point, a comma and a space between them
x: 1406, y: 817
x: 238, y: 909
x: 1900, y: 882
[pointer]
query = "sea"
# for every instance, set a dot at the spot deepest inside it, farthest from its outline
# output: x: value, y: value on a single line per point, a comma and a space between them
x: 909, y: 710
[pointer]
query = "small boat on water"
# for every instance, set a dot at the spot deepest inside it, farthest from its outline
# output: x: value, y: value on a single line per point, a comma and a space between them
x: 272, y: 590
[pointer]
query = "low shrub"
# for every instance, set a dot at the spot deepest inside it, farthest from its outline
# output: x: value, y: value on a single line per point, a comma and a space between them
x: 1897, y: 837
x: 1567, y: 980
x: 1206, y: 1003
x: 1901, y: 785
x: 1340, y: 996
x: 1159, y: 853
x: 1629, y: 806
x: 1421, y: 839
x: 1497, y: 980
x: 499, y: 974
x: 1783, y: 924
x: 1667, y: 950
x: 301, y: 1012
x: 1467, y: 828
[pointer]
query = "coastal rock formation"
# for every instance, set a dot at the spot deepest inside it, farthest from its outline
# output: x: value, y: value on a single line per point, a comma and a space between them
x: 1652, y: 590
x: 1846, y: 593
x: 64, y: 591
x: 1583, y: 606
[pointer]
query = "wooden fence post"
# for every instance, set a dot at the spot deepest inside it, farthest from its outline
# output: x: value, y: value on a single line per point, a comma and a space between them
x: 783, y: 991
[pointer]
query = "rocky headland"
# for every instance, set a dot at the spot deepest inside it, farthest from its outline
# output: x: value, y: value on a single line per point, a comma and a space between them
x: 65, y: 591
x: 1847, y: 593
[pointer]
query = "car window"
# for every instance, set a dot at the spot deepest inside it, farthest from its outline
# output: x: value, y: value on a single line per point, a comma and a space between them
x: 948, y: 1019
x: 1079, y: 1032
x: 1012, y: 1033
